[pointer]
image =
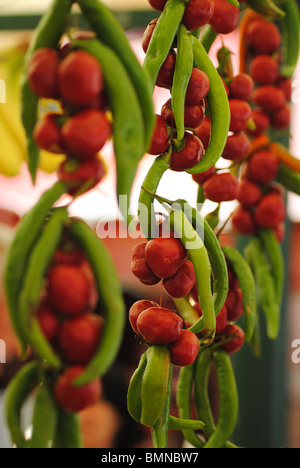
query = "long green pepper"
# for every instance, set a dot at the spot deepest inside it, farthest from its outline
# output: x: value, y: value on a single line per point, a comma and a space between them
x: 291, y: 37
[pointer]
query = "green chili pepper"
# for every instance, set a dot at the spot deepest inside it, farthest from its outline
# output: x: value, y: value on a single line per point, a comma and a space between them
x: 177, y: 424
x: 128, y: 128
x: 186, y: 310
x: 16, y: 394
x: 247, y: 284
x: 235, y: 3
x: 255, y: 343
x: 112, y: 35
x: 201, y: 379
x: 48, y: 34
x: 163, y: 37
x: 265, y: 285
x: 146, y: 201
x: 208, y: 38
x: 45, y: 419
x: 229, y: 404
x: 184, y: 398
x: 155, y: 384
x: 289, y: 179
x: 160, y: 430
x: 218, y: 106
x: 30, y: 295
x: 68, y: 431
x: 200, y: 259
x: 291, y: 38
x: 266, y: 8
x: 200, y: 195
x: 213, y: 218
x: 17, y: 258
x: 274, y: 253
x: 182, y: 76
x: 111, y: 299
x: 134, y: 395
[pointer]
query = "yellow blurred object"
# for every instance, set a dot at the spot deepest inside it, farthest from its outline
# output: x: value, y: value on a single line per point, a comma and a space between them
x: 50, y: 162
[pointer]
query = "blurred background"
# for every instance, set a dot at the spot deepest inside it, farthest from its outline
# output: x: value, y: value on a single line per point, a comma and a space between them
x: 270, y: 387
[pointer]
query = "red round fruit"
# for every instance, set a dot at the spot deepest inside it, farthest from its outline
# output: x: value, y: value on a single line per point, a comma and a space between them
x: 165, y: 256
x: 285, y: 84
x: 204, y: 132
x: 148, y: 34
x: 181, y: 284
x: 222, y: 320
x: 75, y: 399
x: 198, y: 13
x: 201, y: 178
x: 185, y: 350
x: 70, y: 255
x: 48, y: 321
x: 233, y: 279
x: 263, y: 167
x: 158, y: 4
x: 281, y: 119
x: 80, y: 78
x: 159, y: 326
x: 136, y: 311
x: 262, y: 123
x: 47, y: 134
x: 198, y: 87
x: 264, y: 70
x: 140, y: 267
x: 69, y: 289
x: 249, y: 194
x: 263, y: 36
x: 271, y: 211
x: 79, y: 338
x: 221, y: 188
x: 225, y: 18
x: 86, y: 133
x: 241, y: 113
x: 42, y: 73
x: 241, y: 87
x: 234, y: 304
x: 269, y: 98
x: 237, y: 339
x: 166, y: 72
x: 193, y: 115
x: 160, y: 139
x: 77, y: 175
x: 189, y: 156
x: 237, y: 147
x: 243, y: 222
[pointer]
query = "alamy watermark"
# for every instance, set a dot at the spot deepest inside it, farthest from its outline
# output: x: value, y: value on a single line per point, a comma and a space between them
x: 296, y: 353
x: 2, y: 352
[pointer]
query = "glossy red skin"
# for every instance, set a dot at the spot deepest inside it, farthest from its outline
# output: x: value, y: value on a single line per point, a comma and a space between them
x: 241, y: 112
x: 243, y: 222
x: 42, y: 73
x: 159, y: 326
x: 262, y: 122
x: 166, y: 73
x: 80, y: 78
x: 225, y: 18
x: 69, y: 289
x: 136, y: 311
x: 204, y: 132
x: 201, y: 178
x: 269, y: 98
x: 285, y: 84
x: 158, y: 4
x: 72, y: 256
x: 198, y: 87
x: 148, y: 34
x: 237, y: 341
x: 264, y: 70
x: 281, y: 119
x: 160, y: 139
x: 193, y: 115
x: 47, y: 134
x: 241, y: 87
x: 86, y: 133
x: 48, y: 321
x: 234, y: 304
x: 185, y: 350
x: 165, y: 256
x: 198, y: 13
x: 249, y: 194
x: 237, y: 147
x: 140, y: 267
x: 191, y: 154
x: 263, y: 167
x: 90, y: 172
x: 221, y: 188
x: 263, y: 36
x: 75, y: 399
x: 271, y: 211
x: 181, y: 284
x: 79, y: 338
